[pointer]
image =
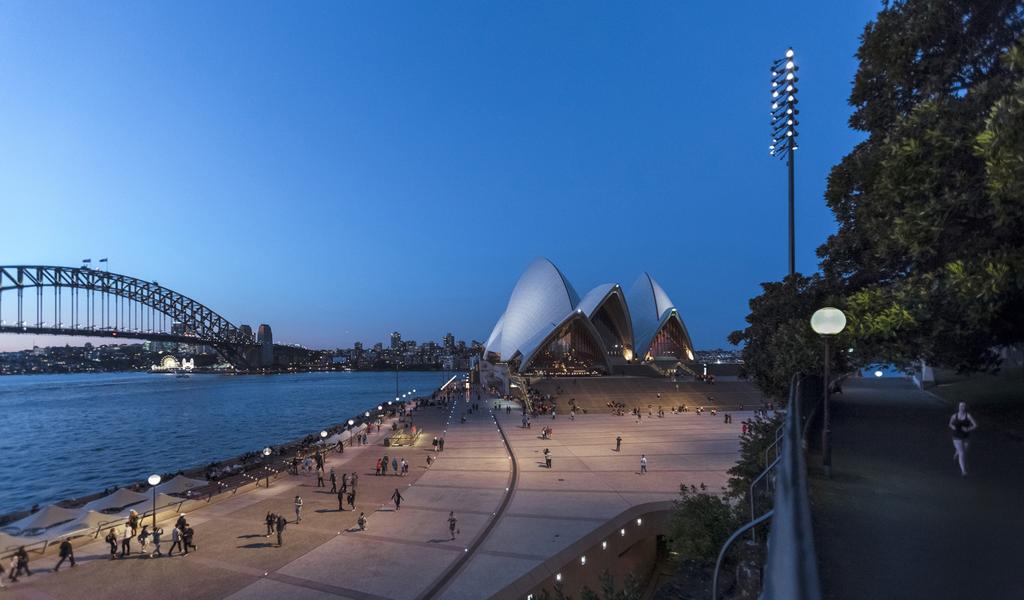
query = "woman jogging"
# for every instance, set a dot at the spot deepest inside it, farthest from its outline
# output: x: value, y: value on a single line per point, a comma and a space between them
x: 962, y: 424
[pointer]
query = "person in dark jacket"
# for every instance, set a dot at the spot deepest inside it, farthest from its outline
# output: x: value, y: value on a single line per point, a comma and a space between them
x: 281, y: 523
x: 189, y: 538
x: 66, y: 553
x: 22, y: 563
x: 112, y: 540
x: 271, y: 520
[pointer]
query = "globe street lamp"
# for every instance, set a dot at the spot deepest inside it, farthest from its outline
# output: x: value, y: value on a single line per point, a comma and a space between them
x: 266, y: 453
x: 827, y: 322
x: 154, y: 480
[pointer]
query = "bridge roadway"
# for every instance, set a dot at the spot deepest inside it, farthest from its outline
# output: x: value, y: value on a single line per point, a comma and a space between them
x: 407, y: 555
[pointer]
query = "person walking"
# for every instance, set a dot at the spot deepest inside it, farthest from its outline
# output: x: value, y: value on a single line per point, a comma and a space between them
x: 187, y: 538
x: 320, y: 478
x: 144, y: 539
x: 112, y: 540
x: 547, y: 457
x: 376, y: 470
x: 618, y: 443
x: 452, y: 522
x: 394, y: 466
x: 65, y: 552
x: 298, y: 510
x: 126, y: 540
x: 334, y: 481
x: 405, y: 467
x: 22, y: 564
x: 397, y: 497
x: 435, y: 443
x: 270, y: 520
x: 361, y: 521
x: 384, y: 465
x: 643, y: 464
x: 341, y: 499
x: 280, y: 524
x: 175, y: 541
x: 440, y: 445
x: 962, y: 424
x: 352, y: 499
x: 157, y: 534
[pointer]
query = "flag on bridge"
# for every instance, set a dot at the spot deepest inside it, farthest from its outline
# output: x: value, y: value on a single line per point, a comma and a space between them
x: 103, y: 260
x: 86, y: 260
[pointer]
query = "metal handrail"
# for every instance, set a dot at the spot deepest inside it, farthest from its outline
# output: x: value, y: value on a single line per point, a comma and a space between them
x: 791, y: 569
x: 753, y: 535
x: 732, y: 538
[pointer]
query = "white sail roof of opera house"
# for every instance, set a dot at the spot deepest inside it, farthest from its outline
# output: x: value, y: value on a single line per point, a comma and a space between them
x: 541, y: 300
x: 592, y: 299
x: 649, y: 308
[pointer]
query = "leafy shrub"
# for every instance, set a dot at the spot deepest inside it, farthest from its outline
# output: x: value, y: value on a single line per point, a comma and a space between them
x: 701, y: 523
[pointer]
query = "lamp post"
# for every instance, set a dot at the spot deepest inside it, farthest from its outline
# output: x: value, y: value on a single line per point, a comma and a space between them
x: 154, y: 480
x: 323, y: 439
x: 784, y: 133
x: 266, y: 453
x: 827, y: 322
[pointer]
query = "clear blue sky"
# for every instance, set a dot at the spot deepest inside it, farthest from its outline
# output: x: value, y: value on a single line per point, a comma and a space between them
x: 341, y: 170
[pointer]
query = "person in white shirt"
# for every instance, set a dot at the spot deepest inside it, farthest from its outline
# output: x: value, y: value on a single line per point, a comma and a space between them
x: 643, y: 464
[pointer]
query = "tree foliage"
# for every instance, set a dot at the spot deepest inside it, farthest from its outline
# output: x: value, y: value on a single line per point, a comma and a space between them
x: 927, y: 261
x: 700, y: 524
x: 752, y: 462
x: 779, y: 340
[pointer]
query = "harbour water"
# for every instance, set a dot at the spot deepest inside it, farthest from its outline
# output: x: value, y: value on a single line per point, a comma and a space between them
x: 63, y: 436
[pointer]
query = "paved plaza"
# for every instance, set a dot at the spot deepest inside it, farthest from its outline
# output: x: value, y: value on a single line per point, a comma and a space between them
x: 506, y: 526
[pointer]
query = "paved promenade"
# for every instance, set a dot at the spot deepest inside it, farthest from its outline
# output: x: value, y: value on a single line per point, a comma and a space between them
x: 896, y: 520
x: 404, y: 555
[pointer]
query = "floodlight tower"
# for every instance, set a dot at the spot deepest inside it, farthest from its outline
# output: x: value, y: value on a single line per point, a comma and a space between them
x: 784, y: 133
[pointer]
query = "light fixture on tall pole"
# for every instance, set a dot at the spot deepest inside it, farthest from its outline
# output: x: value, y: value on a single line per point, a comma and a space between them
x: 784, y: 122
x: 827, y: 322
x: 154, y: 480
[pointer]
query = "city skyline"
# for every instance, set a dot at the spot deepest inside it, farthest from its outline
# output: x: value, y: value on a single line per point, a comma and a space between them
x: 338, y: 200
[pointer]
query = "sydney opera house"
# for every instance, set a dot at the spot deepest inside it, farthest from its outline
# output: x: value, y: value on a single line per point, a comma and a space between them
x: 547, y: 328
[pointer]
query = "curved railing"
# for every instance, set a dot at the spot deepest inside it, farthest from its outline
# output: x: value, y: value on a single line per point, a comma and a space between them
x: 791, y: 569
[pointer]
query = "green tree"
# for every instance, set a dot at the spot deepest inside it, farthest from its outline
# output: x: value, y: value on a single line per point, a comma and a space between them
x: 700, y: 524
x: 778, y: 340
x: 927, y: 261
x: 752, y: 462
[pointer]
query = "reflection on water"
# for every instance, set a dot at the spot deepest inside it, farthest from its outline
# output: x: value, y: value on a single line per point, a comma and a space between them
x: 63, y: 436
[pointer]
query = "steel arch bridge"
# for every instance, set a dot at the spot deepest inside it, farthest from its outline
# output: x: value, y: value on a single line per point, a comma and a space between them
x: 117, y: 305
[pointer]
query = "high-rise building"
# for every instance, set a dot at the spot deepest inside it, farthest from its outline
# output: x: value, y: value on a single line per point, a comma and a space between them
x: 396, y: 340
x: 449, y: 341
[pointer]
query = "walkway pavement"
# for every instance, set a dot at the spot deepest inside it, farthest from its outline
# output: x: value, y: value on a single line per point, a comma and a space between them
x: 402, y: 555
x: 896, y: 520
x: 590, y: 483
